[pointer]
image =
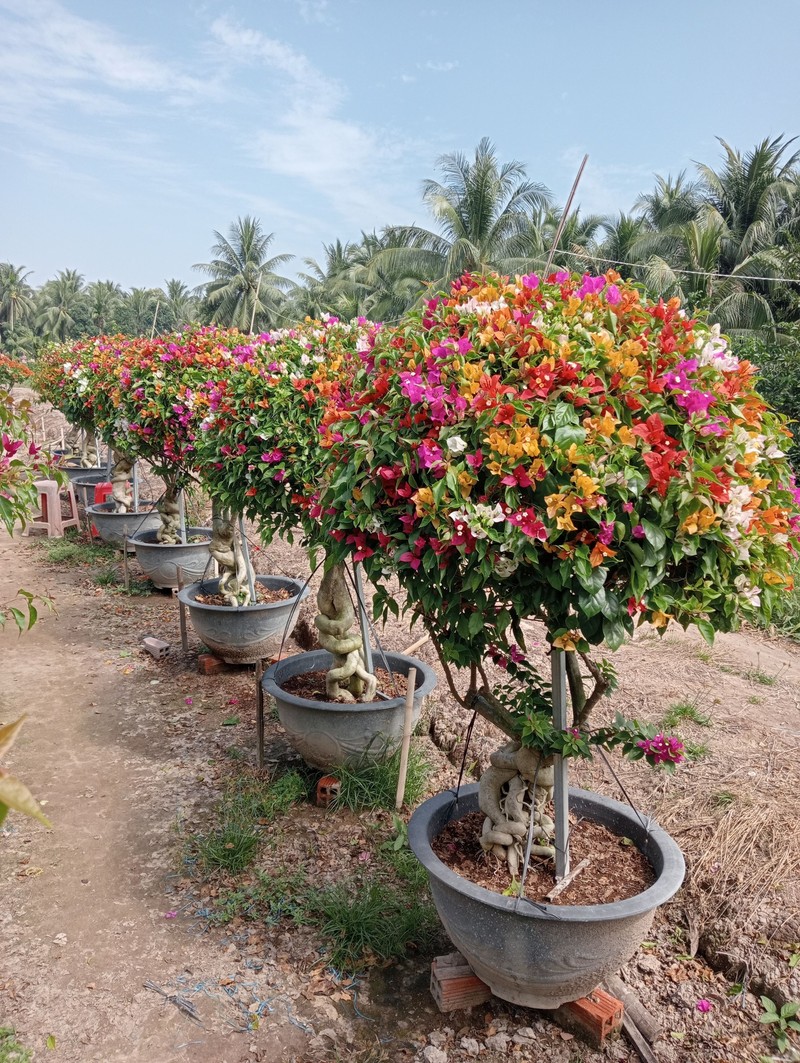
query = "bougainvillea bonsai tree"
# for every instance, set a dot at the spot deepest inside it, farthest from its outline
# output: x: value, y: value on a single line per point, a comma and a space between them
x: 259, y: 452
x: 563, y: 451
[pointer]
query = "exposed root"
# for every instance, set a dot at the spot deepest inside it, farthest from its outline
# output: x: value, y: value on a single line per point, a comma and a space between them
x: 347, y: 679
x: 507, y: 796
x: 169, y: 511
x: 121, y: 492
x: 226, y: 551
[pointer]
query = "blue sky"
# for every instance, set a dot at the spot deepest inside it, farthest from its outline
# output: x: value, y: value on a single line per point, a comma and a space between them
x: 130, y: 131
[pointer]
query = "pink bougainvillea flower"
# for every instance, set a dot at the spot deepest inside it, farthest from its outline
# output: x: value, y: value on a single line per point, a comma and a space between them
x: 188, y: 700
x: 638, y: 532
x: 704, y: 1005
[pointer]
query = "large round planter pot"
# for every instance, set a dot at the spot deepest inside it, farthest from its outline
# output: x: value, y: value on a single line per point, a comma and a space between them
x: 160, y: 561
x: 543, y: 955
x: 75, y: 472
x: 85, y: 484
x: 250, y: 633
x: 328, y: 734
x: 113, y: 527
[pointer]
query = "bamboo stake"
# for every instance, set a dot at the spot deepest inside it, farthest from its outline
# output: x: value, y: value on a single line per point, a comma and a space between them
x: 408, y: 714
x: 182, y: 613
x: 255, y: 302
x: 155, y: 315
x: 415, y: 645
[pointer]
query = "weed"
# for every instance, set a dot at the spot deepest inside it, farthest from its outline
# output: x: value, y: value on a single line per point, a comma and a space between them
x: 782, y: 1020
x: 757, y: 675
x: 281, y: 894
x: 724, y: 798
x: 251, y: 799
x: 706, y: 656
x: 11, y: 1051
x: 231, y: 848
x: 682, y: 711
x: 106, y: 577
x: 373, y: 919
x: 74, y: 551
x: 754, y: 700
x: 696, y: 750
x: 373, y: 783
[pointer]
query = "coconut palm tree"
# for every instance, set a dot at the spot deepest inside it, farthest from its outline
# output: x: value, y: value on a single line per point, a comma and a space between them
x: 479, y: 207
x: 16, y: 294
x: 59, y: 303
x: 244, y: 287
x: 180, y: 306
x: 104, y: 299
x: 139, y: 312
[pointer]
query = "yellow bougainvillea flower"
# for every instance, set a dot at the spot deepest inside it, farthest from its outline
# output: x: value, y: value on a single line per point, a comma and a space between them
x: 566, y: 642
x: 659, y: 619
x: 699, y: 522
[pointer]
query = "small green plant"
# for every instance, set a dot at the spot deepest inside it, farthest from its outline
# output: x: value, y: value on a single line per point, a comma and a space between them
x: 230, y: 848
x: 106, y: 577
x: 11, y: 1050
x: 704, y: 655
x: 683, y: 711
x: 248, y: 798
x: 724, y: 798
x: 373, y: 783
x: 782, y: 1020
x: 696, y: 750
x: 758, y: 675
x: 372, y: 920
x: 72, y: 550
x: 282, y: 893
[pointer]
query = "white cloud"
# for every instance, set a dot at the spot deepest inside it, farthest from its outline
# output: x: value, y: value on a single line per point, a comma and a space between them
x: 307, y: 138
x: 440, y: 68
x: 314, y: 11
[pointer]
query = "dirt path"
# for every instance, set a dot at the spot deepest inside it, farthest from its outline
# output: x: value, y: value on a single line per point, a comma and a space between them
x: 85, y: 915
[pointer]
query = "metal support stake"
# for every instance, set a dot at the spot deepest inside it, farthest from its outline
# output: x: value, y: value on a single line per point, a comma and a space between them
x: 560, y: 769
x: 182, y: 613
x: 182, y: 516
x: 363, y: 620
x: 259, y: 715
x: 125, y: 570
x: 135, y: 486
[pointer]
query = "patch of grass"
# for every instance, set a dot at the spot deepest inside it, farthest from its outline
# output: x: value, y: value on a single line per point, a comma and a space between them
x: 682, y: 711
x: 247, y: 804
x: 280, y: 894
x: 231, y: 848
x: 373, y: 784
x: 106, y: 577
x: 754, y: 700
x: 704, y: 655
x: 373, y: 920
x: 696, y: 750
x: 724, y: 798
x: 758, y: 675
x: 72, y: 550
x: 11, y: 1050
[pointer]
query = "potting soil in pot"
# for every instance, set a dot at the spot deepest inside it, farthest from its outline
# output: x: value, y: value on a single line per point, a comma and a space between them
x: 311, y: 685
x: 264, y: 596
x: 617, y: 869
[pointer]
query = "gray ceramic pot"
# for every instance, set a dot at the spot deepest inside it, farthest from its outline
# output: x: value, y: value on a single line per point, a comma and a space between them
x: 85, y: 484
x: 248, y: 634
x: 543, y: 955
x: 160, y: 561
x: 327, y: 734
x: 113, y: 527
x: 75, y: 472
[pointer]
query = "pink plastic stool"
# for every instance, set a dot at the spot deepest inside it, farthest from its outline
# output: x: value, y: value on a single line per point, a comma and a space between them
x: 50, y: 517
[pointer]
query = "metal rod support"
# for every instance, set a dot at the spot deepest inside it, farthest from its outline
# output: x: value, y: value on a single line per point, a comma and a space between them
x: 560, y: 769
x: 363, y: 620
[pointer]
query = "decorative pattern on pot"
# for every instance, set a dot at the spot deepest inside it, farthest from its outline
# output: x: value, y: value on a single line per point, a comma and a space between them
x: 543, y: 955
x: 327, y: 734
x: 251, y: 632
x: 160, y: 561
x: 85, y: 484
x: 113, y: 527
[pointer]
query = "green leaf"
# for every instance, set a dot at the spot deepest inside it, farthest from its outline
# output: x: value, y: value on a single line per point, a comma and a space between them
x: 51, y: 1041
x: 613, y: 633
x: 706, y: 630
x: 654, y: 534
x: 475, y: 623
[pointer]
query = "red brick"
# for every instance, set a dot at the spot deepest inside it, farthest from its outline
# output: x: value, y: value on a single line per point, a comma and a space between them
x: 596, y: 1016
x: 209, y: 664
x: 454, y: 985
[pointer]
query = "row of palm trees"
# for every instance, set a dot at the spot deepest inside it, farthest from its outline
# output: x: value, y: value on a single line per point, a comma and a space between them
x: 726, y: 241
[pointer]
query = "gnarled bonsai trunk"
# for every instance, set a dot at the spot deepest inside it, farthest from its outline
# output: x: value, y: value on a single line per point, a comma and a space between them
x: 121, y: 492
x: 518, y: 783
x: 170, y: 512
x: 347, y: 679
x: 227, y: 552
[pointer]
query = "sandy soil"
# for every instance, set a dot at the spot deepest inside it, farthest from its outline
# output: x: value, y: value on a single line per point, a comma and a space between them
x: 127, y: 765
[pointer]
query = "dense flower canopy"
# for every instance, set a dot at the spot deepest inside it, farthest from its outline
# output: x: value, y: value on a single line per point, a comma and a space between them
x: 562, y: 449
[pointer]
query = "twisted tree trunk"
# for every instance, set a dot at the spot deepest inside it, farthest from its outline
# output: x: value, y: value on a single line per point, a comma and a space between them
x: 227, y: 552
x: 170, y: 512
x: 121, y: 492
x: 347, y: 679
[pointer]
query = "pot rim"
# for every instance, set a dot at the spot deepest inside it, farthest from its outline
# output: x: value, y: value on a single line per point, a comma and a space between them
x: 138, y: 541
x: 271, y: 685
x: 668, y: 880
x: 103, y: 509
x: 211, y: 586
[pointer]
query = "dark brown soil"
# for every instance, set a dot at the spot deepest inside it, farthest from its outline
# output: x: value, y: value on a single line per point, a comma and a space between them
x: 617, y: 869
x: 311, y: 685
x: 264, y: 596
